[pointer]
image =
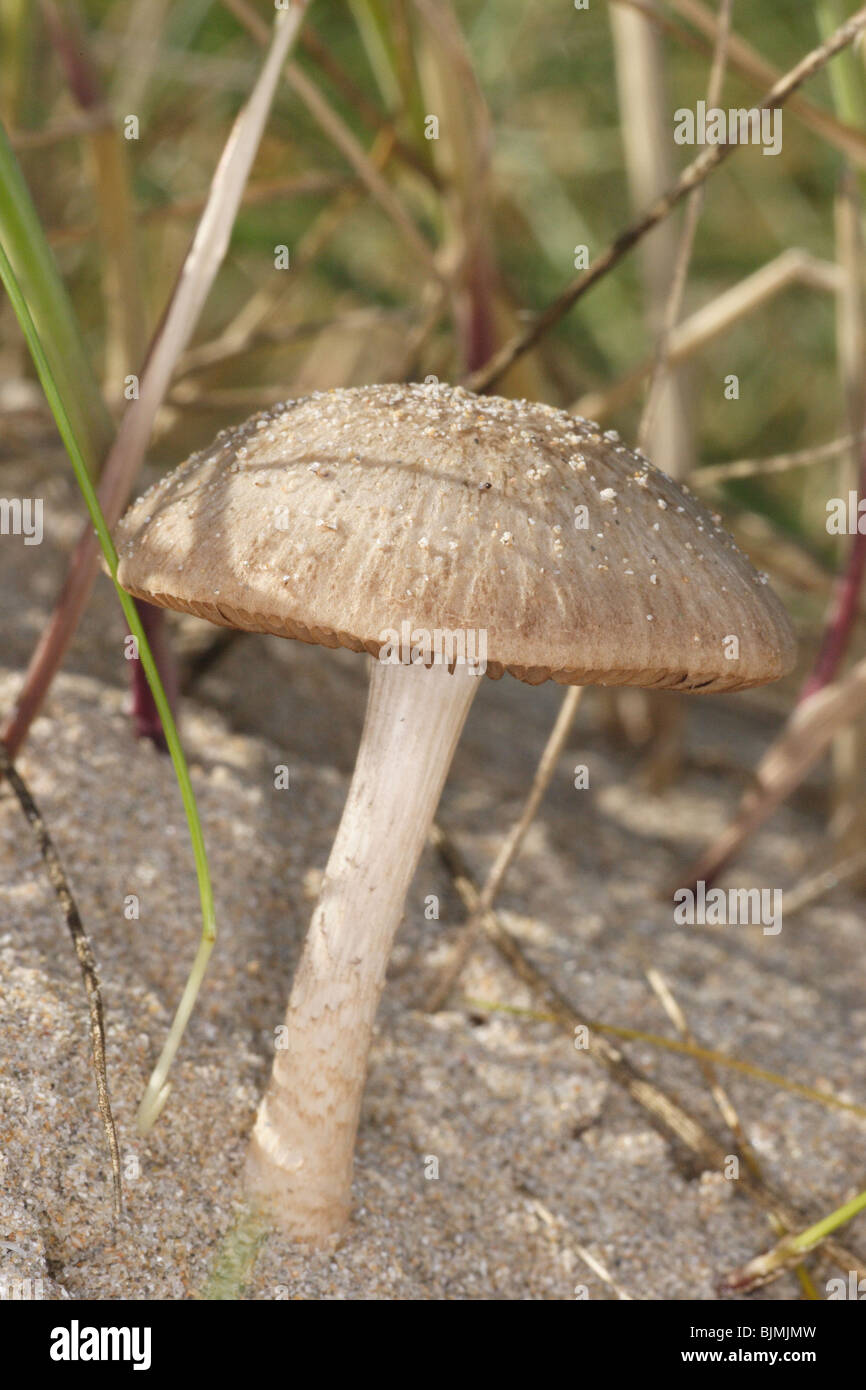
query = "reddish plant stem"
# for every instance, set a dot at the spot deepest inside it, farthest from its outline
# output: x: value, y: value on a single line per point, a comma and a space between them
x: 143, y: 709
x: 840, y: 624
x: 478, y: 328
x: 206, y: 254
x: 53, y: 641
x: 843, y: 609
x: 70, y: 43
x: 759, y: 804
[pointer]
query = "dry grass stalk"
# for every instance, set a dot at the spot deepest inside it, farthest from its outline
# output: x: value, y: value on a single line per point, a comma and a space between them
x: 84, y: 954
x: 196, y: 278
x: 72, y: 128
x: 692, y: 177
x: 665, y: 1113
x: 847, y: 821
x: 658, y: 394
x: 806, y: 736
x: 712, y: 474
x: 264, y: 191
x: 344, y: 140
x: 645, y: 124
x: 748, y: 63
x: 812, y: 889
x: 790, y: 267
x: 123, y: 305
x: 724, y: 1104
x: 508, y: 849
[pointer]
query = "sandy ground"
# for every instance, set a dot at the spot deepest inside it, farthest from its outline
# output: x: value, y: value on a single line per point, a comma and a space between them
x: 540, y: 1156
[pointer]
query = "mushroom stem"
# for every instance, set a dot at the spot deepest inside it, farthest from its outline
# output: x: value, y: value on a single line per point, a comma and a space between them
x: 300, y: 1159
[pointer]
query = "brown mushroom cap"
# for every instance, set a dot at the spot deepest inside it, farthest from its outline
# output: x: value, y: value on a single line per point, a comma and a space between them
x: 337, y: 517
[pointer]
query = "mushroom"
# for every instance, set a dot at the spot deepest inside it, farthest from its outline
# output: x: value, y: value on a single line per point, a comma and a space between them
x: 375, y: 518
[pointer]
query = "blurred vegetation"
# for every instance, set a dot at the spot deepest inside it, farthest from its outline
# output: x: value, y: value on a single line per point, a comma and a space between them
x: 547, y: 76
x: 410, y: 256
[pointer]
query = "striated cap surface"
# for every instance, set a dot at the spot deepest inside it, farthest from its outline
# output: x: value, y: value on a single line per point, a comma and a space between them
x: 341, y: 516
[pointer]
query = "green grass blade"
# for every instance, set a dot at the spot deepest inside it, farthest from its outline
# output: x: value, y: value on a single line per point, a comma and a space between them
x: 845, y: 73
x: 35, y: 269
x: 157, y: 1089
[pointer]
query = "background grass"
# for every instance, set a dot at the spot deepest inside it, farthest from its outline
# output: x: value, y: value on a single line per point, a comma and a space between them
x: 547, y: 74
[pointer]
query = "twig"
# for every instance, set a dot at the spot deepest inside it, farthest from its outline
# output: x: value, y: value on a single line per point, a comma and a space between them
x: 507, y: 850
x: 686, y: 1049
x: 366, y: 110
x: 692, y: 177
x: 715, y: 473
x: 72, y: 128
x: 791, y: 267
x: 665, y: 1113
x: 68, y: 907
x: 766, y: 1268
x: 852, y: 368
x: 554, y: 1223
x: 345, y: 140
x: 724, y: 1105
x: 598, y: 1268
x: 310, y: 184
x: 806, y: 735
x: 198, y: 273
x: 844, y: 135
x: 843, y: 611
x: 809, y: 890
x: 694, y: 207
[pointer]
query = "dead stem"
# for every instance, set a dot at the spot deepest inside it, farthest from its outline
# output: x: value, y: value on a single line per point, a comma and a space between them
x: 84, y: 953
x: 725, y: 1107
x: 197, y: 275
x: 691, y: 177
x: 694, y: 207
x: 665, y: 1113
x: 508, y: 851
x: 716, y: 473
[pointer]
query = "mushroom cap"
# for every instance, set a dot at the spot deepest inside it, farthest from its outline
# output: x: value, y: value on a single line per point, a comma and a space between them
x: 342, y: 516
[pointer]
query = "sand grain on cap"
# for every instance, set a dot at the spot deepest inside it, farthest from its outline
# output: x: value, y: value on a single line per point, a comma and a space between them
x: 335, y: 517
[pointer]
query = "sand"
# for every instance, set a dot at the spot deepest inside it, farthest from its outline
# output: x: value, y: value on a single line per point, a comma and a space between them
x: 541, y: 1158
